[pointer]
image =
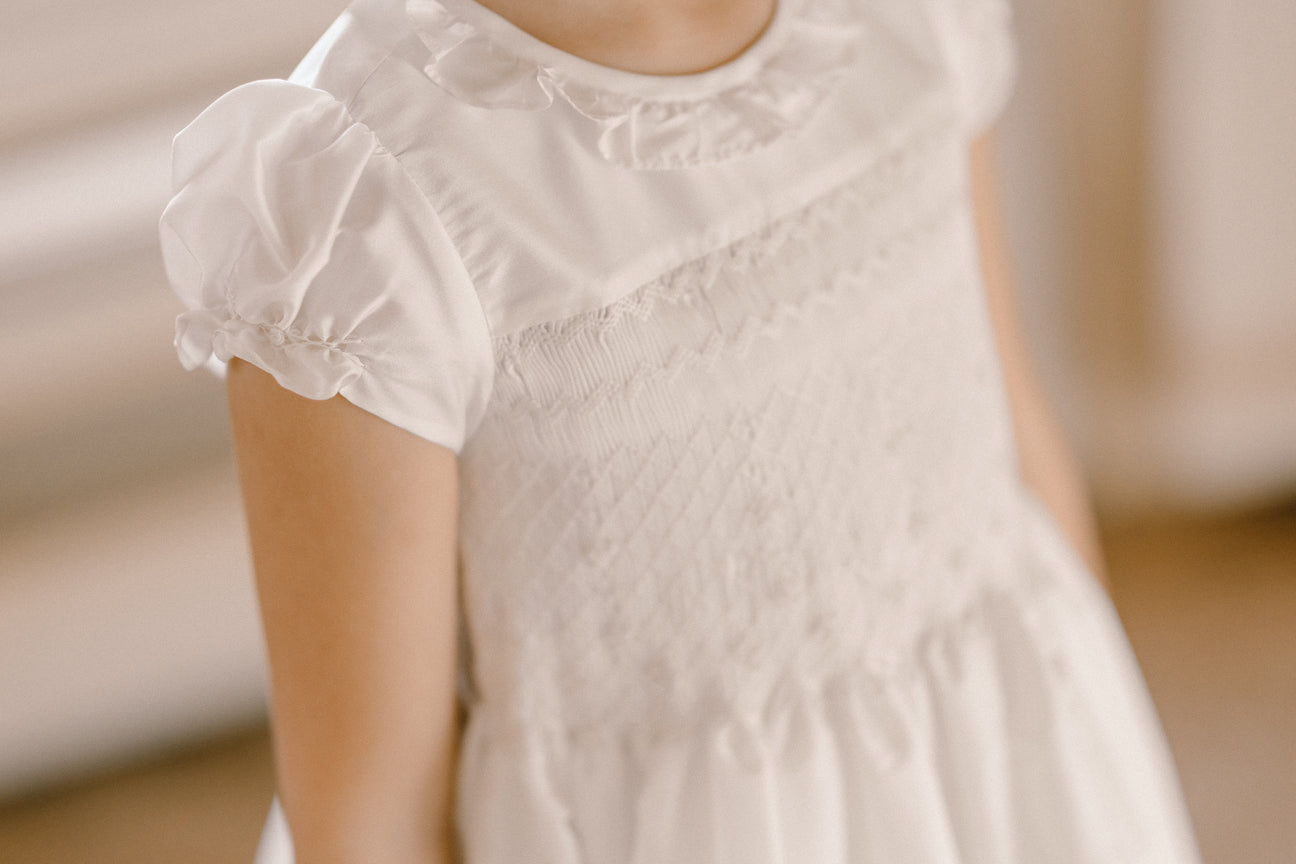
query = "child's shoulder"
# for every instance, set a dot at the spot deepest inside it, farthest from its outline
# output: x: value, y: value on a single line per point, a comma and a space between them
x: 366, y: 35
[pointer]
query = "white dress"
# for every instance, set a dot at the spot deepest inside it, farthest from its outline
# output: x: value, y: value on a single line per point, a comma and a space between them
x: 748, y: 575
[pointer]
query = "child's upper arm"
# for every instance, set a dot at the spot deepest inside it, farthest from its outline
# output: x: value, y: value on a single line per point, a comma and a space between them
x: 1046, y: 462
x: 353, y: 529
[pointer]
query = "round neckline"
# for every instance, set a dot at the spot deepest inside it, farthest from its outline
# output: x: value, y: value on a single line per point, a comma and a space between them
x: 644, y: 120
x: 581, y: 71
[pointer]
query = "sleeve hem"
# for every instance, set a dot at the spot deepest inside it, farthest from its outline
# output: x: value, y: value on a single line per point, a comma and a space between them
x: 311, y: 368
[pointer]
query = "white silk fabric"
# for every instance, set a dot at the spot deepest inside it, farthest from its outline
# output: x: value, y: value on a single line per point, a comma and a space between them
x: 748, y: 576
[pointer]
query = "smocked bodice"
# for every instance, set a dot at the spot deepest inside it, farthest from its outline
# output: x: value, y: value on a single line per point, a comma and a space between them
x: 773, y: 463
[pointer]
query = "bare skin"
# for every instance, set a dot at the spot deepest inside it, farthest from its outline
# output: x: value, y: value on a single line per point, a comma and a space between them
x: 1046, y: 462
x: 353, y: 525
x: 651, y: 37
x: 353, y: 521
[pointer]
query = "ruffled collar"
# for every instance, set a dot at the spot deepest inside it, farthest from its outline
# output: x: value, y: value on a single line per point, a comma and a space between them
x: 647, y: 121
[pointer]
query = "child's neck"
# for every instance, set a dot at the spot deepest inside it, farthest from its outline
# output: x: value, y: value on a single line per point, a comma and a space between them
x: 652, y: 37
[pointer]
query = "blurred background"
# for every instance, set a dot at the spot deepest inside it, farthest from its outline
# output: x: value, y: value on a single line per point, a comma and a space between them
x: 1150, y: 187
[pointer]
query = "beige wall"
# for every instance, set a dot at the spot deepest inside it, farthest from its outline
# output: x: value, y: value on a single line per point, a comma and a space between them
x: 1073, y: 150
x: 1147, y: 160
x: 127, y: 614
x: 1223, y: 264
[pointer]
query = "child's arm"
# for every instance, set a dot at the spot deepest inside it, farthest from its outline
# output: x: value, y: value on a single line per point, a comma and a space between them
x: 353, y: 530
x: 1046, y: 462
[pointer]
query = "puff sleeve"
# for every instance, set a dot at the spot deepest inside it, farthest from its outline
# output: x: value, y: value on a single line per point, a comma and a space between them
x: 980, y: 51
x: 299, y: 244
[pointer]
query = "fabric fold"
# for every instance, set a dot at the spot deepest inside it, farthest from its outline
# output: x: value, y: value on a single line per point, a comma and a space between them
x: 300, y: 245
x: 981, y: 56
x: 944, y: 761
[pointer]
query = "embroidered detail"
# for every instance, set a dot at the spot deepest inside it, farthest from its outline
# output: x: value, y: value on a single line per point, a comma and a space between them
x: 901, y: 167
x: 317, y: 368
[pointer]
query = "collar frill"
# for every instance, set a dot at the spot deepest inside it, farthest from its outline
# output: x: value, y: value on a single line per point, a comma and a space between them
x: 648, y: 121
